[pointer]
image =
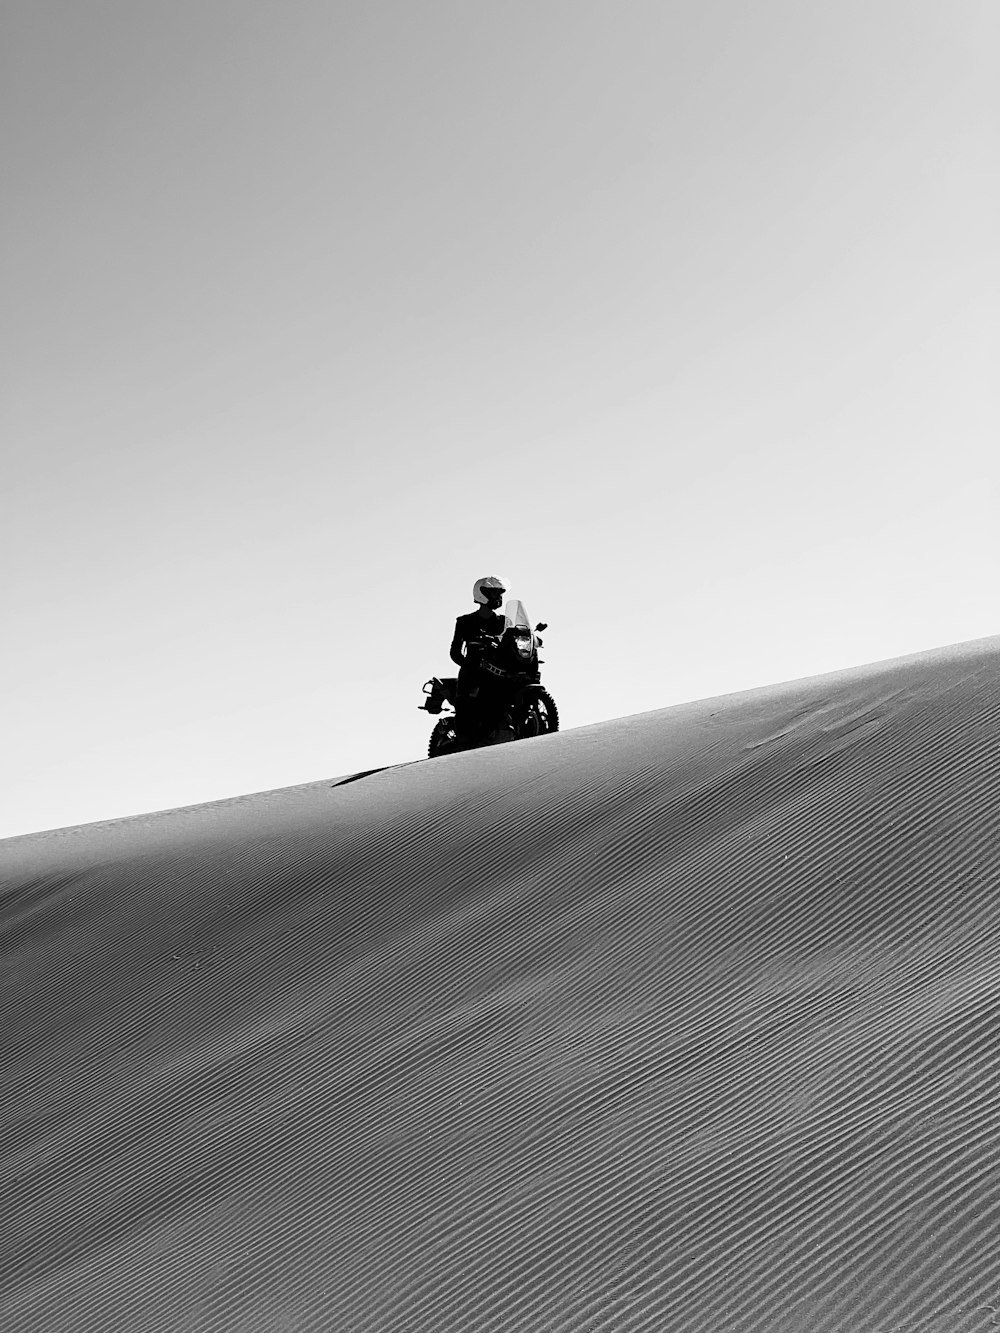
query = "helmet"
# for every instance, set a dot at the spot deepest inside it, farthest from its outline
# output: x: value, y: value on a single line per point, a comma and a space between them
x: 480, y: 587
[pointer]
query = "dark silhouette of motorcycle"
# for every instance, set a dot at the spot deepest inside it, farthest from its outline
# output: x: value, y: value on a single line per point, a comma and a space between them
x: 505, y: 700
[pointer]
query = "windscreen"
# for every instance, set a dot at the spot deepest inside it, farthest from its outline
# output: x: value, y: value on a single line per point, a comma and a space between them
x: 515, y: 614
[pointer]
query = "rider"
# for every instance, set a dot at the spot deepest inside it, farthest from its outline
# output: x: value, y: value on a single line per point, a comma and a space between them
x: 470, y: 631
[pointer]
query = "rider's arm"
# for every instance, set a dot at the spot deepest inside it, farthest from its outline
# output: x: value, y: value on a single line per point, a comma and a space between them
x: 457, y: 643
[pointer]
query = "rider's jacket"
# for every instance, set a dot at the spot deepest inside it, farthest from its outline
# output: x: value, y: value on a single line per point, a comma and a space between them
x: 474, y: 626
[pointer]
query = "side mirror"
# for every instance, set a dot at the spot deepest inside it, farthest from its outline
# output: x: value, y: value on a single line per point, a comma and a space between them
x: 541, y: 626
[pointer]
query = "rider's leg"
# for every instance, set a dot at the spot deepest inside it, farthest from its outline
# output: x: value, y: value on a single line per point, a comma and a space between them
x: 465, y: 700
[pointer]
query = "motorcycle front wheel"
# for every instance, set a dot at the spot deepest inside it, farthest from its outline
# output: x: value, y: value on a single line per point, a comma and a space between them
x: 542, y: 715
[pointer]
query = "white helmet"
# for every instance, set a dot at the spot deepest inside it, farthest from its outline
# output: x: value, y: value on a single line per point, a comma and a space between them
x: 480, y: 586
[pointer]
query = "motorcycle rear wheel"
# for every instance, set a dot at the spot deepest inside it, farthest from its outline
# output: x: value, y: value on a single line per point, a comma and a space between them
x: 444, y: 738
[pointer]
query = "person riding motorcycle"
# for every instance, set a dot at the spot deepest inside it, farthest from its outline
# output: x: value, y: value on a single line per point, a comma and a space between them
x: 498, y: 695
x: 472, y: 633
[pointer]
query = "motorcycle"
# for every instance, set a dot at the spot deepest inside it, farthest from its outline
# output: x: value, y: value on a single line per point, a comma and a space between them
x: 506, y: 701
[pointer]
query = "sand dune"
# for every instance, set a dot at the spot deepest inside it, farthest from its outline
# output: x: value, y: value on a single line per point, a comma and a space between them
x: 684, y: 1022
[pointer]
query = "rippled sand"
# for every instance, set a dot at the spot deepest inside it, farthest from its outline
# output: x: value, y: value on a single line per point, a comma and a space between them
x: 683, y: 1022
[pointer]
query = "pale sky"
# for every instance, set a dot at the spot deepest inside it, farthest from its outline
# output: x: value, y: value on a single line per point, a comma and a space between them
x: 681, y: 317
